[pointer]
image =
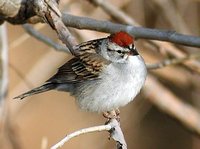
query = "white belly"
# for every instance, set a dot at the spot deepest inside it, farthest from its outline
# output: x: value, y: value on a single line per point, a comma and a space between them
x: 120, y: 84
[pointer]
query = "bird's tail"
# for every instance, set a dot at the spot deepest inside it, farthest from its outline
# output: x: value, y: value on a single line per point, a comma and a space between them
x: 37, y: 90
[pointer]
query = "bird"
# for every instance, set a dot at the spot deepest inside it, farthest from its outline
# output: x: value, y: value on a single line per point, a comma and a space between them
x: 105, y: 74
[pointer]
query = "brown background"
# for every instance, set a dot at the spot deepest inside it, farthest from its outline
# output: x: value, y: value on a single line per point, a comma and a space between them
x: 40, y: 121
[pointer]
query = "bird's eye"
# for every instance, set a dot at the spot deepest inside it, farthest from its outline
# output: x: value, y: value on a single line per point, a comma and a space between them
x: 119, y: 51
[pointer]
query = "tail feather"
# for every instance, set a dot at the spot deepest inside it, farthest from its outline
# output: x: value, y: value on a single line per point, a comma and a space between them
x: 37, y: 90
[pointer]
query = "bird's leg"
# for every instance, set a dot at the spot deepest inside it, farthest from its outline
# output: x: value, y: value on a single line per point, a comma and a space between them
x: 114, y: 114
x: 117, y: 115
x: 117, y: 112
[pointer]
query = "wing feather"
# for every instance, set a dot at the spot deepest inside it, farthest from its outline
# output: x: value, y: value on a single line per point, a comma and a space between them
x: 86, y: 66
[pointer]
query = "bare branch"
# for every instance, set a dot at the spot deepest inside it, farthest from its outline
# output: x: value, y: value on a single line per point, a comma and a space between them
x: 103, y: 26
x: 59, y: 47
x: 80, y: 132
x: 173, y: 61
x: 31, y: 31
x: 138, y: 32
x: 114, y: 12
x: 16, y: 11
x: 113, y: 127
x: 9, y: 8
x: 179, y: 24
x: 124, y: 18
x: 117, y: 134
x: 51, y: 14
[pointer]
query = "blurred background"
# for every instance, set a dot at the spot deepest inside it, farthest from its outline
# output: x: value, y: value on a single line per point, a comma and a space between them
x: 40, y: 121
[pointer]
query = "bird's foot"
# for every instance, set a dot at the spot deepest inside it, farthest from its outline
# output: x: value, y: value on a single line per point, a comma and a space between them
x: 114, y: 114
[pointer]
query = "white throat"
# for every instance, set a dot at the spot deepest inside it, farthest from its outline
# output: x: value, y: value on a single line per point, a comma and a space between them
x: 119, y: 85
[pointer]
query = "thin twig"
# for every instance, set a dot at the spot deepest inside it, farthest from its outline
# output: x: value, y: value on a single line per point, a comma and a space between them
x: 193, y: 64
x: 115, y: 12
x: 179, y: 24
x: 173, y: 61
x: 112, y: 126
x: 31, y: 31
x: 80, y: 132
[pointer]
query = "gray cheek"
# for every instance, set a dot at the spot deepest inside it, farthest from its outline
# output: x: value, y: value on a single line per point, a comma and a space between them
x: 113, y: 57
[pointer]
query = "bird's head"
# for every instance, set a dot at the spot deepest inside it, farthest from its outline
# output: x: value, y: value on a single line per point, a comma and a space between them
x: 118, y: 47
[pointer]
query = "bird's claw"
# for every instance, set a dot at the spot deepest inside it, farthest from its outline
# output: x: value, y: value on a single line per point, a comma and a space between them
x: 114, y: 114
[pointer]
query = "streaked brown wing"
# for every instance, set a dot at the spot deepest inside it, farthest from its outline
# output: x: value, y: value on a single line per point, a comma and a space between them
x: 89, y: 46
x: 87, y: 66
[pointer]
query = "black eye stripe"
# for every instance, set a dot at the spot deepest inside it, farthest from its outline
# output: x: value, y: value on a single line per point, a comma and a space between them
x: 118, y: 51
x: 134, y: 51
x: 109, y: 49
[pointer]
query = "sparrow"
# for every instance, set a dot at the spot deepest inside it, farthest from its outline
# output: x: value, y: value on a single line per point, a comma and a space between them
x: 105, y: 74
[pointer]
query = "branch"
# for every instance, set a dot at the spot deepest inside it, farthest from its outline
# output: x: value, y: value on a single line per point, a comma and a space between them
x: 25, y: 13
x: 173, y: 61
x: 112, y: 127
x: 16, y: 11
x: 138, y: 32
x: 122, y: 17
x: 80, y: 132
x: 9, y: 8
x: 111, y: 9
x: 165, y: 5
x: 114, y: 12
x: 31, y: 31
x: 104, y: 26
x: 49, y: 12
